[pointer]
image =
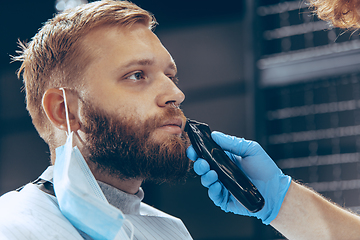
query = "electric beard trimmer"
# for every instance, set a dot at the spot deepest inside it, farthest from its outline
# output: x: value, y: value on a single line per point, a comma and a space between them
x: 229, y: 174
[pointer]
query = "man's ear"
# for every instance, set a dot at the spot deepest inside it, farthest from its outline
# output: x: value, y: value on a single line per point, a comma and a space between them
x: 54, y: 107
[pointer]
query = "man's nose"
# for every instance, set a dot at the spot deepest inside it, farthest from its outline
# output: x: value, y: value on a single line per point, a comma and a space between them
x: 169, y: 94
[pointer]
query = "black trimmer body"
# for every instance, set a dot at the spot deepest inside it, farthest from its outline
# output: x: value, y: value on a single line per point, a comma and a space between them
x: 229, y: 174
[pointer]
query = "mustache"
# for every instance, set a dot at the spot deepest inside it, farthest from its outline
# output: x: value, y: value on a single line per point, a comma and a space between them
x: 159, y: 120
x: 170, y: 113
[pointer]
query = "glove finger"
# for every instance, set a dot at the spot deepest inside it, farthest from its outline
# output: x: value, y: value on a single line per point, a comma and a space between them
x: 217, y: 193
x: 191, y: 154
x: 201, y: 166
x: 209, y: 178
x: 238, y: 146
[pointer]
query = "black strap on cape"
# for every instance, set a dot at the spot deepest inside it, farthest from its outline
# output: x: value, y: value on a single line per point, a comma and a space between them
x: 43, y: 185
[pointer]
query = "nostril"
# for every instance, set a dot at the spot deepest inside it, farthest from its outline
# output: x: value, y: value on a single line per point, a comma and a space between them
x: 172, y: 104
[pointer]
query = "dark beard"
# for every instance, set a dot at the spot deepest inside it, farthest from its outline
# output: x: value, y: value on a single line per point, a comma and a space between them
x: 123, y: 148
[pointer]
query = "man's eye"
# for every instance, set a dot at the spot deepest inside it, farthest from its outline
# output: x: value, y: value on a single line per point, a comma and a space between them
x: 174, y: 79
x: 136, y: 76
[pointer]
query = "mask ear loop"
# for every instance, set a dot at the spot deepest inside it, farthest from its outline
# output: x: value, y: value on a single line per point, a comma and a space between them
x: 66, y: 112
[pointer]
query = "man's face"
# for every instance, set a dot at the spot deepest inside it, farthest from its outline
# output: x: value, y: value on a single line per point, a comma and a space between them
x: 133, y: 128
x: 132, y: 76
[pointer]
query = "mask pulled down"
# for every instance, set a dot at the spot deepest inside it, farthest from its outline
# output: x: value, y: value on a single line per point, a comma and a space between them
x: 79, y: 196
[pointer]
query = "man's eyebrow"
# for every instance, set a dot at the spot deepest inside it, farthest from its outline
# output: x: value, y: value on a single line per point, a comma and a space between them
x: 142, y: 62
x: 146, y: 62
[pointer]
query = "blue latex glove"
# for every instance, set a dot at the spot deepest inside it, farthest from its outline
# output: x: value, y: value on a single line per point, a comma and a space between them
x: 256, y: 164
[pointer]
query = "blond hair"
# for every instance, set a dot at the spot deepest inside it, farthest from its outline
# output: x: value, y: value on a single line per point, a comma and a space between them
x: 341, y: 13
x: 55, y: 57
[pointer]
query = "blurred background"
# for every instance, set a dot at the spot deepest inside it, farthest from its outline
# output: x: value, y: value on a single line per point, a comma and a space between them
x: 266, y: 70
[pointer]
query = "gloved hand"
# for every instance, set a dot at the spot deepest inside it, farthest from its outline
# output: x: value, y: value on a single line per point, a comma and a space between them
x: 256, y: 164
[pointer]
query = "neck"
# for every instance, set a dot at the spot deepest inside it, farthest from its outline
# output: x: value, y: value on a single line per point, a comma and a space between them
x: 130, y: 186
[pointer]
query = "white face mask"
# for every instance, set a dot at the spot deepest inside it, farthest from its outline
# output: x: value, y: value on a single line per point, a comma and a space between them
x: 79, y: 196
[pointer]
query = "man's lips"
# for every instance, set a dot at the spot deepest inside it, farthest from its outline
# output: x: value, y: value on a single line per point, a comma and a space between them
x: 174, y: 126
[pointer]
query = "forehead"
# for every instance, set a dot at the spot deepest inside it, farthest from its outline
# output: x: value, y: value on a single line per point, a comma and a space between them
x: 124, y: 41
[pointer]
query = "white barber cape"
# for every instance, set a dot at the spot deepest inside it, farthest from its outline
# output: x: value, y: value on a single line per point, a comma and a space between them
x: 33, y: 214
